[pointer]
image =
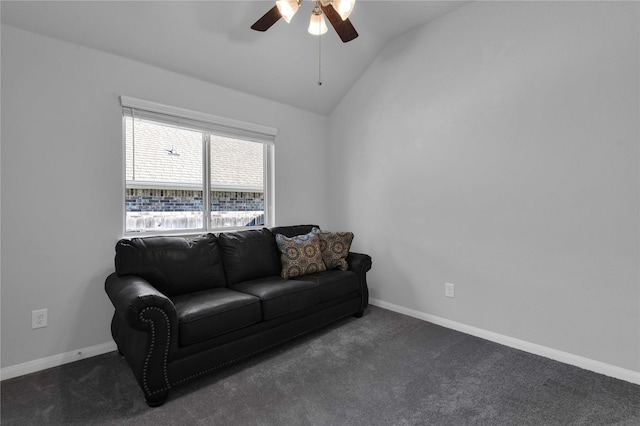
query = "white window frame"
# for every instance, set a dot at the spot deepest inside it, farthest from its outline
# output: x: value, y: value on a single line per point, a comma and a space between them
x: 208, y: 124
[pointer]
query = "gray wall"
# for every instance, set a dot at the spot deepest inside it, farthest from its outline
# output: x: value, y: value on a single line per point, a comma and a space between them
x: 497, y: 148
x: 62, y: 180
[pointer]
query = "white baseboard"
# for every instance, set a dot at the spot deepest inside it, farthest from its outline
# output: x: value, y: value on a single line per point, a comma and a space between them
x: 564, y: 357
x: 56, y: 360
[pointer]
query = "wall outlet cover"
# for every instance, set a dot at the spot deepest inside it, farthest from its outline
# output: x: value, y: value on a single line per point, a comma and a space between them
x: 39, y: 318
x: 449, y: 290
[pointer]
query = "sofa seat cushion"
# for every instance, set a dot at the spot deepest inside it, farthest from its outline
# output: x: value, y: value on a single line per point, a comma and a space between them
x: 209, y: 313
x: 333, y: 283
x: 280, y: 296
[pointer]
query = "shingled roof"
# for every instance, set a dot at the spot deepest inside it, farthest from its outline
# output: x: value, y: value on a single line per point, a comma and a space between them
x: 173, y: 157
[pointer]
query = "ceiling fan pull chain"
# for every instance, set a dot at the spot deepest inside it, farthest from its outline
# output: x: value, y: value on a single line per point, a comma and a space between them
x: 319, y: 59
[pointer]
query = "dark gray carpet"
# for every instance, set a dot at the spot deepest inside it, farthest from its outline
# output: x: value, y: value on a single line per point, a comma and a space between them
x: 382, y: 369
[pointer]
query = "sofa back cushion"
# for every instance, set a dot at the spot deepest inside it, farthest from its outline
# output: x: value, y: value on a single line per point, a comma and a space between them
x: 250, y: 254
x: 173, y: 265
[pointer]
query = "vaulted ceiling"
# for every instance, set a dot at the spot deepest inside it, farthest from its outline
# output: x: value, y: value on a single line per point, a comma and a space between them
x: 212, y: 41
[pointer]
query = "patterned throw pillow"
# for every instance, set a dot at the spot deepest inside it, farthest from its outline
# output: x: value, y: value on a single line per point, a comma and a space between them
x: 300, y: 255
x: 335, y: 248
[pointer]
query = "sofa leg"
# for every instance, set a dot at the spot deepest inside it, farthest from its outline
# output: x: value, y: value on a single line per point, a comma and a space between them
x: 157, y: 400
x: 359, y: 314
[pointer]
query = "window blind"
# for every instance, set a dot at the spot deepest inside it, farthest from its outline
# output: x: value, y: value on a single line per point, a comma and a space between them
x: 199, y: 121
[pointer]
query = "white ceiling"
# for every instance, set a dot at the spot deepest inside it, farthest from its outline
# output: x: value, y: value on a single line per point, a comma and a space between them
x: 212, y: 40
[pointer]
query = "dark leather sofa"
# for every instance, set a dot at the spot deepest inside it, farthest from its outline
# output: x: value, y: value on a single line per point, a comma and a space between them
x: 187, y: 307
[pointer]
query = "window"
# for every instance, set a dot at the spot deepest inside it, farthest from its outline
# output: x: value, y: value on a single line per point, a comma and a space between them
x: 192, y: 172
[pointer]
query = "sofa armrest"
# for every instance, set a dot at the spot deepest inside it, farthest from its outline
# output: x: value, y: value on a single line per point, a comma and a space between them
x: 360, y: 264
x: 132, y: 295
x: 145, y: 328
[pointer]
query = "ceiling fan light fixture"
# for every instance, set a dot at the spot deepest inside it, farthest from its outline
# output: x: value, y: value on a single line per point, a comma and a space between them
x: 317, y: 24
x: 287, y: 8
x: 344, y: 7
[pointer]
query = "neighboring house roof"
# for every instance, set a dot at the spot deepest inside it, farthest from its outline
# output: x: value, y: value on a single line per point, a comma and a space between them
x: 236, y: 163
x: 173, y: 157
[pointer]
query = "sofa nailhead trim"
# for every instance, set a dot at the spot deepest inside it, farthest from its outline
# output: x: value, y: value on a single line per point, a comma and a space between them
x: 151, y: 347
x: 364, y: 267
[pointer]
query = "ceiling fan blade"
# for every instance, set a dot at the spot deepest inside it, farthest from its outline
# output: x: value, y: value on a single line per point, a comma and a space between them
x: 345, y: 29
x: 268, y: 19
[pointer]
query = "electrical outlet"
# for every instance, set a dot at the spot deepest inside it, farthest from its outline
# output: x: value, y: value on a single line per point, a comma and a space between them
x: 449, y: 290
x: 39, y: 318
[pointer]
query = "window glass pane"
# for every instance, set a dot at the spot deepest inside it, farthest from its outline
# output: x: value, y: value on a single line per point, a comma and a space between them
x: 237, y: 182
x: 163, y: 177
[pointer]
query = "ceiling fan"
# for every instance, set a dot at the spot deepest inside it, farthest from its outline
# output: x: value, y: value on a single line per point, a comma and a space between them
x: 337, y: 11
